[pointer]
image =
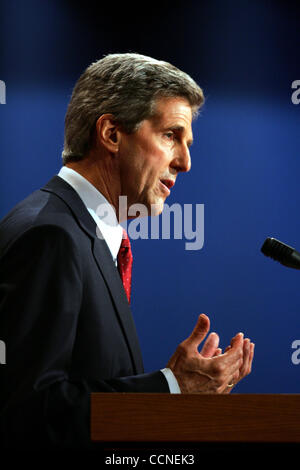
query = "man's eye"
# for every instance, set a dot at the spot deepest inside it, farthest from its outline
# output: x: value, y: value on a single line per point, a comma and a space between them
x: 169, y: 135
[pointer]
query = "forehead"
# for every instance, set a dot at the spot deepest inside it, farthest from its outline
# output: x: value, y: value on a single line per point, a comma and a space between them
x: 175, y: 109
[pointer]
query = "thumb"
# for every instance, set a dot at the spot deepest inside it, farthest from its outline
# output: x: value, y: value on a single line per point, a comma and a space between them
x: 237, y: 341
x: 200, y: 331
x: 210, y: 346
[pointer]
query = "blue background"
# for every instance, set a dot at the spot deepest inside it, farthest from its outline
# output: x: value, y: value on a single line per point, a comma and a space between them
x: 245, y: 159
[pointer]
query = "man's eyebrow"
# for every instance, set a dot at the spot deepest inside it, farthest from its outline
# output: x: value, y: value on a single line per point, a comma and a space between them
x: 181, y: 129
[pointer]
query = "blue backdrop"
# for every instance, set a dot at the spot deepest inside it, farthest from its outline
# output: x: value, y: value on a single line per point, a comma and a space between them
x: 245, y: 159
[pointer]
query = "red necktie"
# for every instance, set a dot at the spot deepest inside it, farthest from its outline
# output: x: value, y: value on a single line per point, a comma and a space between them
x: 125, y: 263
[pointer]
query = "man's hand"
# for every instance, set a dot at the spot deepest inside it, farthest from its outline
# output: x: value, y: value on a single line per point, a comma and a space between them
x: 210, y: 371
x: 245, y: 369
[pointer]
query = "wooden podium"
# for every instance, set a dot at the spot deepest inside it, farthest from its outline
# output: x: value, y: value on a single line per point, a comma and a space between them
x: 159, y: 417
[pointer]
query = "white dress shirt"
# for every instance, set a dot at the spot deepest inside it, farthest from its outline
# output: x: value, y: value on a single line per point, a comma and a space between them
x: 110, y: 229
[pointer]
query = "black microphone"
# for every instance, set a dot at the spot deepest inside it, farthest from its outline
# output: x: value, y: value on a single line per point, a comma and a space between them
x: 281, y: 252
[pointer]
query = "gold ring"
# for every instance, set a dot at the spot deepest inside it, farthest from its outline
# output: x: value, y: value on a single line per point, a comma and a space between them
x: 230, y: 385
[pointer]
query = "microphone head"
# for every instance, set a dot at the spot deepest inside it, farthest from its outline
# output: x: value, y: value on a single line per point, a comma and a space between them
x: 281, y: 252
x: 276, y: 250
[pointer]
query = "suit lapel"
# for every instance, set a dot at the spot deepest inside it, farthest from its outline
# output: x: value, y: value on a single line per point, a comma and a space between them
x: 115, y: 286
x: 104, y: 262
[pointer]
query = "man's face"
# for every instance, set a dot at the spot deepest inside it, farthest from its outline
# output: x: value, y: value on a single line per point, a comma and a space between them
x: 151, y: 158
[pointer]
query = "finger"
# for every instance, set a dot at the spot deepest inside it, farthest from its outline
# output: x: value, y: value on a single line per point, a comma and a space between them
x: 199, y: 332
x: 243, y: 352
x: 245, y: 368
x: 237, y: 341
x: 252, y: 351
x: 252, y: 346
x: 218, y: 352
x: 246, y: 357
x: 248, y: 353
x: 236, y: 338
x: 234, y: 355
x: 210, y: 345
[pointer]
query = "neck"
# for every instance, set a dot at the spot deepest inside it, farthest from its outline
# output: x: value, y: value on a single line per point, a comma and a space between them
x: 101, y: 173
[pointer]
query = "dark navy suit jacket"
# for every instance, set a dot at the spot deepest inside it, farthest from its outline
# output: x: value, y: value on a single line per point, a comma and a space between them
x: 65, y: 320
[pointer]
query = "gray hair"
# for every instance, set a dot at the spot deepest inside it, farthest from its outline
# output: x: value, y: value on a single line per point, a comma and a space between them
x: 127, y: 86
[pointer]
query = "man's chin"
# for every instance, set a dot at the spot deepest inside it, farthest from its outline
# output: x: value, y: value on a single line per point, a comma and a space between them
x: 150, y: 207
x: 157, y: 207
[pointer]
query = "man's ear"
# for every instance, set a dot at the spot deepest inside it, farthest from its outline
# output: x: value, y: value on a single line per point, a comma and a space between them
x: 107, y: 132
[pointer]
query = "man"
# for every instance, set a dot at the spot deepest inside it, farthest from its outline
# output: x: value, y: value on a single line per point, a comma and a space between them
x: 65, y: 271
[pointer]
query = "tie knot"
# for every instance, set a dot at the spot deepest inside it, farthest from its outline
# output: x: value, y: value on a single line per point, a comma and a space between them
x: 125, y: 240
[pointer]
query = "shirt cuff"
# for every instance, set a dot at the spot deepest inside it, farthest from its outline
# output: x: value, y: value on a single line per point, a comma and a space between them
x: 171, y: 379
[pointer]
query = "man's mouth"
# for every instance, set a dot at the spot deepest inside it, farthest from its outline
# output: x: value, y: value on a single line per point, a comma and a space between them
x: 166, y: 185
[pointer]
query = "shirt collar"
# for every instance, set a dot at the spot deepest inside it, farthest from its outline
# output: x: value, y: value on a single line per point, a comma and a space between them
x: 98, y: 206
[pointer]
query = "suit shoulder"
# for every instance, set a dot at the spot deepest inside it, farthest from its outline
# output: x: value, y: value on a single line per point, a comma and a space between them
x: 41, y: 235
x: 39, y: 214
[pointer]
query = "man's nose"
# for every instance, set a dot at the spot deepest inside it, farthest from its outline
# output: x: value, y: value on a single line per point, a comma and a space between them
x: 182, y: 161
